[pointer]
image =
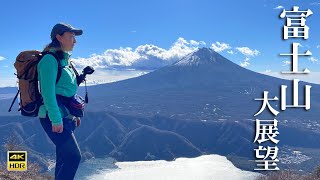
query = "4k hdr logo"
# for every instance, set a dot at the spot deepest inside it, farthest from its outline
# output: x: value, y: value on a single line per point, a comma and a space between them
x: 17, y: 161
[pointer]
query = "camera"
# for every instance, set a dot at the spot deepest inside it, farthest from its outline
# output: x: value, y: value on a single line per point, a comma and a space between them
x: 85, y: 71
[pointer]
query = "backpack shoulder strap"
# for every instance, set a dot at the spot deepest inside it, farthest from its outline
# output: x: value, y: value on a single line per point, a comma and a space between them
x: 58, y: 61
x: 74, y: 69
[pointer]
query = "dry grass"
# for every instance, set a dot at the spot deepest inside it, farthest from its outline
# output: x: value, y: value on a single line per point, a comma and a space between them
x: 290, y: 175
x: 33, y: 171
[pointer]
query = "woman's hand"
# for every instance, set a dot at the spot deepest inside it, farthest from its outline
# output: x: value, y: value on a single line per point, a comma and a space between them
x: 57, y: 128
x: 78, y: 121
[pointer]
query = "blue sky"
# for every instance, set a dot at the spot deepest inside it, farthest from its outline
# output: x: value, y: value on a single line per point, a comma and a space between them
x: 118, y: 28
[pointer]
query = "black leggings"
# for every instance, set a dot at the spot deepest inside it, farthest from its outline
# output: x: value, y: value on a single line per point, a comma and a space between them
x: 68, y: 154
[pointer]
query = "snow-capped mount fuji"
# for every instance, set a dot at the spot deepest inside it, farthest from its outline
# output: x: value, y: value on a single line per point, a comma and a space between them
x: 203, y: 76
x: 203, y: 56
x: 202, y: 67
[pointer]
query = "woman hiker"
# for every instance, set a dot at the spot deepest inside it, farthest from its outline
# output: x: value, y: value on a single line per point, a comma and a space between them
x: 58, y: 124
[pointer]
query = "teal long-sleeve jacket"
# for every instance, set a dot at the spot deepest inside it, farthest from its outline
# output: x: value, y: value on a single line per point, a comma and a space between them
x: 66, y: 86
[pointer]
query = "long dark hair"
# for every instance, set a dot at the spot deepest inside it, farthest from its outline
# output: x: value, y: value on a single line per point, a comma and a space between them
x: 55, y: 44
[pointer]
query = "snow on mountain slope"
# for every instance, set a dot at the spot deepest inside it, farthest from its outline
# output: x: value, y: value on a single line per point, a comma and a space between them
x: 206, y: 167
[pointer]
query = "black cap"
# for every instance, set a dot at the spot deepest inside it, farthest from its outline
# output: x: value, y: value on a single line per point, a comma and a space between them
x: 60, y: 28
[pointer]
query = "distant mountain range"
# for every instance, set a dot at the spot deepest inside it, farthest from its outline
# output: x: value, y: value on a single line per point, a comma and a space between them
x: 201, y: 104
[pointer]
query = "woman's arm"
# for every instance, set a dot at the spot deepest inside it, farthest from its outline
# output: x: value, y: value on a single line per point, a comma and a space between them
x: 48, y: 70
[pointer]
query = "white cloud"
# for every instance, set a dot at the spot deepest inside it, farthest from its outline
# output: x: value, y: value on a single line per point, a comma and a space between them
x: 99, y: 76
x: 279, y: 7
x: 311, y: 77
x: 315, y: 4
x: 219, y: 47
x: 2, y: 58
x: 314, y: 60
x: 8, y: 82
x: 245, y: 63
x: 286, y: 63
x: 197, y: 43
x: 267, y: 70
x: 144, y: 57
x: 150, y: 57
x: 230, y: 52
x: 247, y: 51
